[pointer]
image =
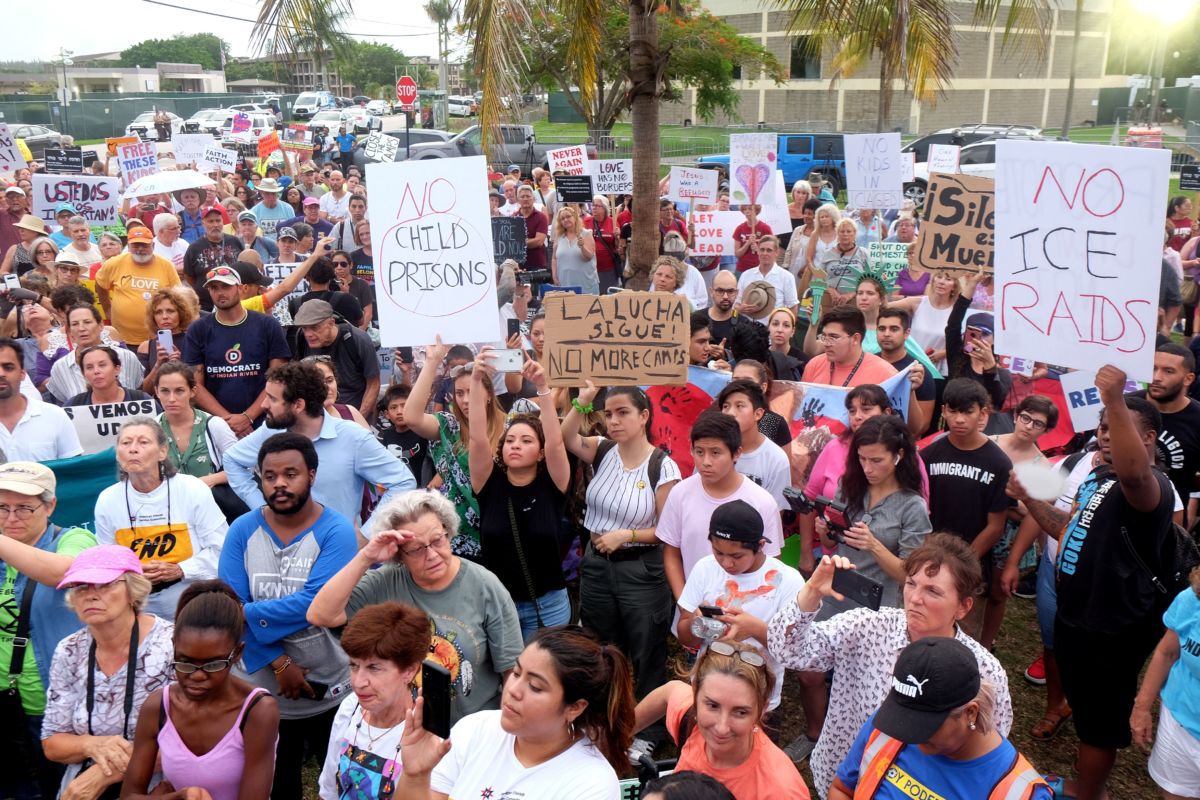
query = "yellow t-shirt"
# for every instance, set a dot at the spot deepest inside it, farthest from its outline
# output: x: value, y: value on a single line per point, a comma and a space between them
x: 130, y: 287
x: 257, y: 303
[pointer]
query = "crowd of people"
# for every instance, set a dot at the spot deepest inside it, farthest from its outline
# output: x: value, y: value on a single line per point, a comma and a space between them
x: 327, y: 567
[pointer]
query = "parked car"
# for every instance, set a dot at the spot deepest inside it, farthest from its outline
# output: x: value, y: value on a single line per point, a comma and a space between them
x: 143, y: 126
x: 518, y: 147
x: 344, y: 102
x: 459, y: 106
x: 416, y: 136
x: 331, y: 119
x: 361, y: 121
x: 967, y: 134
x: 309, y: 103
x: 379, y: 108
x: 260, y: 125
x: 800, y: 154
x: 206, y: 120
x: 39, y: 139
x: 973, y: 159
x: 360, y: 99
x: 264, y: 108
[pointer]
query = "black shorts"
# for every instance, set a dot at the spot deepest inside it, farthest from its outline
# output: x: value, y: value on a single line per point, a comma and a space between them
x: 1100, y: 677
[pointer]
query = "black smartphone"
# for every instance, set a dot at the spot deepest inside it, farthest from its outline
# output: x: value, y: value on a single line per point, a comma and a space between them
x: 435, y: 688
x: 319, y: 690
x: 710, y: 611
x: 859, y: 588
x: 514, y: 327
x: 406, y: 354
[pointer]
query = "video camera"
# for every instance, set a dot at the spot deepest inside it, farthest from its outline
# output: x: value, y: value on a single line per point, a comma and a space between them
x: 799, y: 501
x: 534, y: 277
x: 834, y: 514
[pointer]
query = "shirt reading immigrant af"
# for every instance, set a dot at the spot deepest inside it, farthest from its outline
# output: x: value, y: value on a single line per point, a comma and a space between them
x: 965, y: 486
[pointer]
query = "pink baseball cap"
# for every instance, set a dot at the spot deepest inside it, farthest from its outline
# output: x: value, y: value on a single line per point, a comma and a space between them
x: 311, y: 201
x: 100, y: 565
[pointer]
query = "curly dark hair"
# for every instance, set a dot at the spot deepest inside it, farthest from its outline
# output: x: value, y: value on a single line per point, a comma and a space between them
x: 750, y: 341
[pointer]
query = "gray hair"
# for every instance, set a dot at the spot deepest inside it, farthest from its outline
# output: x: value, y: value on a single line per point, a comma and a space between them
x: 161, y: 221
x: 38, y: 242
x: 985, y: 723
x: 406, y: 508
x: 803, y: 186
x: 832, y: 210
x: 113, y: 236
x: 138, y: 586
x: 78, y: 220
x: 160, y: 437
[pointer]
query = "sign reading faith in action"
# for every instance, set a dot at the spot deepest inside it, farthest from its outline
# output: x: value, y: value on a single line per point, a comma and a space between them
x: 958, y: 224
x: 137, y: 160
x: 11, y: 159
x: 629, y: 338
x: 571, y: 160
x: 874, y: 174
x: 95, y: 198
x: 574, y: 188
x: 432, y: 236
x: 1076, y: 227
x: 508, y: 239
x: 98, y: 425
x: 698, y: 185
x: 219, y: 158
x: 613, y: 175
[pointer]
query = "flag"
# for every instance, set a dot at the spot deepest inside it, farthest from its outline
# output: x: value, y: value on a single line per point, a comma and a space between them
x: 815, y: 404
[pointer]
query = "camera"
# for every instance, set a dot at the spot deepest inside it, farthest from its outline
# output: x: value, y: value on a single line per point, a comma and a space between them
x: 534, y: 277
x: 834, y: 514
x: 799, y: 501
x: 707, y: 628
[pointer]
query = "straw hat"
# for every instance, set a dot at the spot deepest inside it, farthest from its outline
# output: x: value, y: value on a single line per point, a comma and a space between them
x: 31, y: 223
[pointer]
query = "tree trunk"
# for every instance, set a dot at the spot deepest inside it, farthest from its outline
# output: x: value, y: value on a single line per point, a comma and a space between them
x: 885, y: 95
x: 644, y: 90
x: 1066, y: 126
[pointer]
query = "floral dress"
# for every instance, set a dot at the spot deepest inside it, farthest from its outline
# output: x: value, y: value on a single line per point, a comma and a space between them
x: 450, y: 460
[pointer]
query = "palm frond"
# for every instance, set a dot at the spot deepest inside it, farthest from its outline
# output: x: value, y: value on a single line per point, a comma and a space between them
x: 583, y: 48
x: 495, y: 27
x: 1032, y: 17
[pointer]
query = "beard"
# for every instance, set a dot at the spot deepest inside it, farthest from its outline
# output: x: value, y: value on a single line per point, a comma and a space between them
x: 296, y: 502
x: 285, y: 420
x: 1167, y: 394
x: 141, y: 258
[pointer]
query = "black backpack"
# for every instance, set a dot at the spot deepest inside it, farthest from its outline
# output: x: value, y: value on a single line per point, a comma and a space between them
x: 653, y: 471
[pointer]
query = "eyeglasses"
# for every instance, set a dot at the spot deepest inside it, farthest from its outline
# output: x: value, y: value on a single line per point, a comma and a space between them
x: 436, y: 543
x: 724, y: 291
x: 1036, y: 424
x: 830, y: 338
x: 745, y: 656
x: 341, y: 263
x: 20, y: 512
x: 99, y: 588
x: 221, y: 664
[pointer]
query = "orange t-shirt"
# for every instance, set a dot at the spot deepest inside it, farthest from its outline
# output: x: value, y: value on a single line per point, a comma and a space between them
x: 872, y: 370
x: 768, y: 772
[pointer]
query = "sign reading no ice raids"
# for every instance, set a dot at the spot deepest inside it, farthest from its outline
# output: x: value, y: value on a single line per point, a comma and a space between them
x: 624, y: 339
x: 432, y: 235
x: 1078, y: 248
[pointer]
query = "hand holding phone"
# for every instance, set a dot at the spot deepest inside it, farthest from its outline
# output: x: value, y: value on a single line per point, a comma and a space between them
x: 166, y: 341
x: 858, y: 588
x: 435, y: 688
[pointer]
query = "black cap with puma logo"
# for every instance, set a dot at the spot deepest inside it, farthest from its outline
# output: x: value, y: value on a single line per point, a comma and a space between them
x: 932, y: 677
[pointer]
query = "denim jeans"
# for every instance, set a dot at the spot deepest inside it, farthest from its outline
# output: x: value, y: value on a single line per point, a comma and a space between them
x: 555, y: 607
x: 1047, y: 600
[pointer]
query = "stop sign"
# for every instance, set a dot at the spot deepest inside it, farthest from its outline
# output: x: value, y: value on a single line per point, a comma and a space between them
x: 406, y: 91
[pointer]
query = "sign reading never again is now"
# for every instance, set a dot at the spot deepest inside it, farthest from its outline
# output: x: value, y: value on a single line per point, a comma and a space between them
x: 432, y: 236
x: 624, y: 339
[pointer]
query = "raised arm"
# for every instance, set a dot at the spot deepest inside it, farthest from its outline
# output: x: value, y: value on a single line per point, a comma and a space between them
x: 288, y: 284
x: 423, y: 424
x: 328, y: 608
x: 556, y: 452
x: 479, y: 448
x: 1130, y: 457
x: 584, y: 447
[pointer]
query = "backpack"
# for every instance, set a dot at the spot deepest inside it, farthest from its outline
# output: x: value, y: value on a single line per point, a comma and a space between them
x: 1185, y: 558
x: 653, y: 471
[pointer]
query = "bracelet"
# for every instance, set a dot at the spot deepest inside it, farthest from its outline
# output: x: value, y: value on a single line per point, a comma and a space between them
x: 632, y: 535
x: 287, y: 662
x: 545, y: 393
x: 582, y: 409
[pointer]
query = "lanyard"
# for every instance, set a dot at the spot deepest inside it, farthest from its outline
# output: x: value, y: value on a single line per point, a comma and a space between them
x: 849, y: 377
x: 130, y: 677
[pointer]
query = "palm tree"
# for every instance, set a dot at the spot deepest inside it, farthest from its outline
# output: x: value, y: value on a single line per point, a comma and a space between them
x: 914, y: 39
x: 293, y: 27
x: 442, y: 12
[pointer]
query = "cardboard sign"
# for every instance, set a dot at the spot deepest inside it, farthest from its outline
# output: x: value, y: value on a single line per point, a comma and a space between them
x: 943, y: 158
x: 613, y: 175
x: 219, y: 158
x: 137, y: 160
x: 434, y: 261
x: 11, y: 158
x: 113, y: 142
x: 1076, y: 227
x: 888, y: 257
x: 64, y: 162
x: 696, y: 185
x: 624, y: 339
x: 189, y: 147
x: 297, y: 139
x: 712, y: 232
x: 958, y: 224
x: 1189, y: 178
x: 571, y: 160
x: 753, y: 159
x: 99, y: 425
x: 269, y: 144
x: 508, y: 239
x: 381, y: 147
x: 874, y: 173
x: 574, y: 188
x: 94, y: 197
x: 908, y: 165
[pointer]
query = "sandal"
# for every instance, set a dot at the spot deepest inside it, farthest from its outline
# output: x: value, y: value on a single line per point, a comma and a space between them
x: 1056, y: 784
x: 1049, y: 725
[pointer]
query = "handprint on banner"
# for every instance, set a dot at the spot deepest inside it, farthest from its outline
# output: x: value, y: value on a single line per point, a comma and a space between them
x: 812, y: 408
x: 675, y: 409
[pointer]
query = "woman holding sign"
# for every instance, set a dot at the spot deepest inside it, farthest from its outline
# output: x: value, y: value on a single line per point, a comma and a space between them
x: 101, y: 368
x: 574, y: 259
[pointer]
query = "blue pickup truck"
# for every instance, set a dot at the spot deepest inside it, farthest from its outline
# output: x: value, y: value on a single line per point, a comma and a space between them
x: 800, y: 154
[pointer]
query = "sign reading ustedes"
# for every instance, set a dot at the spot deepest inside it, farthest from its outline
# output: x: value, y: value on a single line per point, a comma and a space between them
x: 624, y: 339
x: 958, y: 225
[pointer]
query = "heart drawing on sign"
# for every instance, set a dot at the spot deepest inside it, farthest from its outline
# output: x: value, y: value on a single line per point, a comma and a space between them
x: 753, y: 179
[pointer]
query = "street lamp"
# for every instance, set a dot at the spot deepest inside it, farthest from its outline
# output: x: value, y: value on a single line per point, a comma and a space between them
x: 64, y: 97
x: 1167, y: 13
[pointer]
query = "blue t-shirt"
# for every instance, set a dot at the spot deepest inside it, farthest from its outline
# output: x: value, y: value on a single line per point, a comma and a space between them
x: 235, y: 357
x: 345, y: 142
x: 322, y: 227
x: 270, y: 218
x: 914, y: 774
x: 1182, y: 693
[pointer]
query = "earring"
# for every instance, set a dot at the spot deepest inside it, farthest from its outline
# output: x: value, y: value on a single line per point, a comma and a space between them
x: 971, y: 725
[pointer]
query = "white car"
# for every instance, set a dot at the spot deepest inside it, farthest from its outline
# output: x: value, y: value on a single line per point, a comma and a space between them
x: 260, y: 125
x: 977, y: 159
x: 261, y: 107
x: 378, y: 108
x: 206, y: 121
x: 459, y: 106
x: 143, y: 126
x: 361, y: 120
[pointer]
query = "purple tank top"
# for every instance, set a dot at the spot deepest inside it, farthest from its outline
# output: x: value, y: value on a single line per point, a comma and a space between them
x: 909, y: 287
x: 219, y: 771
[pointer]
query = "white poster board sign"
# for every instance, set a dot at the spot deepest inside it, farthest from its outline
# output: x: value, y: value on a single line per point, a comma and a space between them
x: 774, y: 212
x: 753, y: 159
x: 1078, y: 246
x: 1083, y: 398
x: 98, y: 425
x: 95, y: 198
x: 612, y: 175
x: 713, y: 232
x: 277, y: 273
x: 432, y: 235
x: 381, y: 147
x: 693, y: 185
x: 943, y: 158
x: 11, y: 159
x: 189, y: 148
x: 874, y: 173
x: 571, y: 160
x: 908, y: 165
x: 137, y: 160
x: 219, y: 158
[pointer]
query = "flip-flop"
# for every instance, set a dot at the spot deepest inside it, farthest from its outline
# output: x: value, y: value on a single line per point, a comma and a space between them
x: 1057, y: 784
x: 1044, y: 732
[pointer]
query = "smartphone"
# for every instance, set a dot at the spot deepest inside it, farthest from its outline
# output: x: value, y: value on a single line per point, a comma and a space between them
x: 508, y: 360
x: 859, y: 588
x: 11, y: 281
x: 406, y: 354
x: 710, y: 611
x: 319, y: 690
x: 514, y: 327
x: 435, y: 688
x: 166, y: 341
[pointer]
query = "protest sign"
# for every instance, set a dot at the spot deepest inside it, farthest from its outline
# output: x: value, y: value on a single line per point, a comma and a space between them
x: 1189, y: 178
x: 94, y: 197
x: 239, y: 129
x: 695, y: 185
x: 874, y: 173
x: 11, y: 158
x: 613, y: 175
x: 1083, y: 398
x: 137, y: 160
x: 24, y: 148
x: 887, y: 258
x: 90, y: 157
x: 573, y: 188
x: 1016, y: 365
x: 943, y: 158
x: 98, y: 425
x: 68, y: 161
x: 216, y: 157
x: 432, y: 236
x: 297, y: 139
x: 508, y: 239
x: 774, y: 212
x: 277, y: 272
x: 908, y: 165
x: 113, y: 142
x: 713, y: 232
x: 381, y: 147
x: 268, y: 144
x: 957, y: 224
x: 189, y: 147
x: 753, y: 160
x: 629, y: 338
x: 572, y: 160
x: 1076, y: 227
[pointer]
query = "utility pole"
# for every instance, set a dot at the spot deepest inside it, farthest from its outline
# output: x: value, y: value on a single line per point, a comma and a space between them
x: 64, y: 96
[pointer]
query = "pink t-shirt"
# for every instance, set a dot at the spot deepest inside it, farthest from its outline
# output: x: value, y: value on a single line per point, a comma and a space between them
x: 830, y: 465
x: 684, y: 519
x: 872, y: 370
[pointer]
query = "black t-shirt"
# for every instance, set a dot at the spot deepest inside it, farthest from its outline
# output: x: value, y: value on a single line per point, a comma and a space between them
x: 354, y: 362
x: 364, y: 265
x: 721, y: 330
x: 775, y: 428
x: 235, y: 358
x: 965, y: 486
x: 539, y: 512
x: 85, y: 398
x: 928, y: 388
x: 203, y: 255
x: 1101, y: 586
x: 361, y: 291
x: 1179, y: 446
x: 343, y: 304
x: 409, y: 447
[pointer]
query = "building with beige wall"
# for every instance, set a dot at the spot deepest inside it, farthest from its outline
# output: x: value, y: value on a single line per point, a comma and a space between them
x: 990, y: 84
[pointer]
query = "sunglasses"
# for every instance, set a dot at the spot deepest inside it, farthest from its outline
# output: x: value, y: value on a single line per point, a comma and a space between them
x: 219, y: 272
x: 220, y: 665
x: 341, y: 263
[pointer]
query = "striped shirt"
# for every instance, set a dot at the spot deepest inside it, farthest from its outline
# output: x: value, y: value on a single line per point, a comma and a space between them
x: 620, y: 498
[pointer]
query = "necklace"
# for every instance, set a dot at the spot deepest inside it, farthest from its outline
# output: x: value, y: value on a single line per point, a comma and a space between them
x: 389, y: 784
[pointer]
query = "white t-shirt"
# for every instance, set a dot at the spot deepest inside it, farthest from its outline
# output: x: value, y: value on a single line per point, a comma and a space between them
x: 768, y: 466
x: 622, y: 499
x: 783, y: 281
x: 482, y: 764
x: 694, y: 288
x: 348, y: 761
x: 43, y: 433
x: 761, y: 593
x: 335, y: 207
x: 172, y: 252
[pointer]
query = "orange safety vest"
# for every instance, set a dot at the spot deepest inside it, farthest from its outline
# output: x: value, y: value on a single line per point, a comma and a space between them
x: 881, y: 751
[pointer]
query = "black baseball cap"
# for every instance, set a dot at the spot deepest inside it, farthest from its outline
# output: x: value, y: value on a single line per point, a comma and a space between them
x: 250, y: 274
x: 736, y: 521
x: 984, y: 321
x: 932, y: 677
